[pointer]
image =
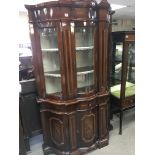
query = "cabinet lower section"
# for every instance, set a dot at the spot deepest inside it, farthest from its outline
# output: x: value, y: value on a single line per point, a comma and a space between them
x: 75, y: 128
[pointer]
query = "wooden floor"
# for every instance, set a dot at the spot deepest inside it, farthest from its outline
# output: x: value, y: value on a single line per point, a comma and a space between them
x: 118, y: 144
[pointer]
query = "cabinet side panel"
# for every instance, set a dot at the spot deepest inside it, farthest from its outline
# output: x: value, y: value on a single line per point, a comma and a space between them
x: 103, y: 49
x: 72, y: 131
x: 103, y: 120
x: 34, y: 45
x: 105, y: 57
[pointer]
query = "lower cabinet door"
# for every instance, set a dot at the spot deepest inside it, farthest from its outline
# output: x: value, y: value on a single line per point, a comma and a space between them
x: 87, y: 127
x: 55, y: 130
x: 79, y: 130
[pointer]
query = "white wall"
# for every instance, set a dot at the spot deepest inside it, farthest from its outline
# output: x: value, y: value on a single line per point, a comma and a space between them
x: 23, y: 32
x: 123, y: 25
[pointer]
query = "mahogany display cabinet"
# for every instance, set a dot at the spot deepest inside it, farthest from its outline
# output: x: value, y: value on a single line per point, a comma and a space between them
x: 122, y: 88
x: 70, y: 49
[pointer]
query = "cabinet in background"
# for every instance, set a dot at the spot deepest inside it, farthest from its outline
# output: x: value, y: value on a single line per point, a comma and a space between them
x: 122, y: 72
x: 29, y: 110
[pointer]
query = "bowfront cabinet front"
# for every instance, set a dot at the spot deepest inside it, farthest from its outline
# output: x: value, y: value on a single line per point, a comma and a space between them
x: 69, y: 43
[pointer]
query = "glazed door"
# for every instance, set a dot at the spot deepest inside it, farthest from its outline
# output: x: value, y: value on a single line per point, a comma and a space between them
x: 128, y: 70
x: 117, y: 63
x: 123, y: 69
x: 116, y: 72
x: 51, y: 60
x: 131, y: 63
x: 85, y: 33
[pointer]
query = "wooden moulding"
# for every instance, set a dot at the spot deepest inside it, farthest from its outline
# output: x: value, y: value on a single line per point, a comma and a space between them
x: 67, y: 10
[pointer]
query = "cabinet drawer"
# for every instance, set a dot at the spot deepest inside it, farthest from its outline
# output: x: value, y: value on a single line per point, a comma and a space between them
x: 84, y: 105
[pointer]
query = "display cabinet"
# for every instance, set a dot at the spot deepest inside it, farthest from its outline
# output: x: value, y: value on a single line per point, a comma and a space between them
x: 70, y: 49
x: 123, y: 72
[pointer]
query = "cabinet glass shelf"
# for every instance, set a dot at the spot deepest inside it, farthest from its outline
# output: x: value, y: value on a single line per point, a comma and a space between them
x: 80, y: 71
x: 50, y: 50
x: 52, y: 74
x: 77, y: 49
x: 85, y: 72
x: 84, y: 48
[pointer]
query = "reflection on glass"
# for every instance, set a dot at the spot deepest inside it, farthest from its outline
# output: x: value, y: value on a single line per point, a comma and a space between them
x: 117, y: 70
x: 117, y: 63
x: 84, y: 58
x: 49, y: 38
x: 51, y: 62
x: 84, y: 36
x: 131, y: 63
x: 118, y: 51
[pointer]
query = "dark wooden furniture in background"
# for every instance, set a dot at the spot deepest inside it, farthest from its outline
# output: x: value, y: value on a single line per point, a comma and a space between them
x: 122, y: 73
x: 22, y: 144
x: 29, y: 111
x: 28, y: 106
x: 25, y: 66
x: 70, y: 49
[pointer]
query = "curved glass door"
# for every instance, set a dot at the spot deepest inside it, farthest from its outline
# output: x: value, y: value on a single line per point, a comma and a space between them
x: 84, y: 44
x: 51, y: 62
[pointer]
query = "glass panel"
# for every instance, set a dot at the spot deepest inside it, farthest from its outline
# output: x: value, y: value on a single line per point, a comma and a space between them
x: 117, y: 63
x: 51, y: 62
x: 131, y: 63
x: 116, y: 69
x: 84, y: 39
x: 130, y: 83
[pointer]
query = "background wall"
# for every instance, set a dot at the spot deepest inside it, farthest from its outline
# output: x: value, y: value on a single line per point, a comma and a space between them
x: 123, y: 24
x: 23, y: 32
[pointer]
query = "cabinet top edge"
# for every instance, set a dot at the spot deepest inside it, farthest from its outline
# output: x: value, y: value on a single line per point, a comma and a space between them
x: 63, y: 3
x: 70, y: 3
